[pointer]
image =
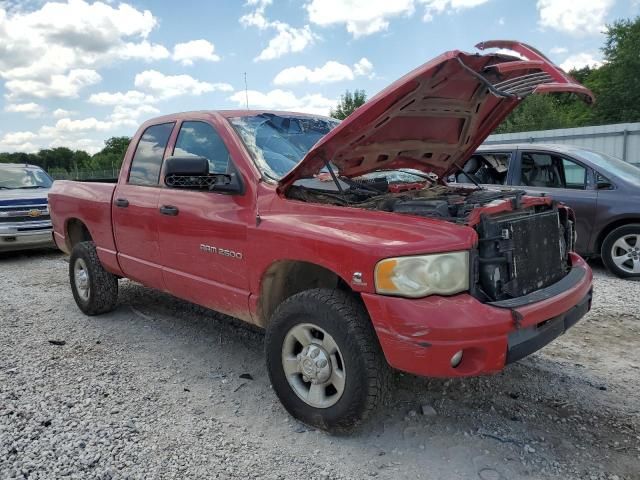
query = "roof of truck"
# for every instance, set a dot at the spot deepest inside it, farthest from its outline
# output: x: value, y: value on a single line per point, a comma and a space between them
x: 227, y: 114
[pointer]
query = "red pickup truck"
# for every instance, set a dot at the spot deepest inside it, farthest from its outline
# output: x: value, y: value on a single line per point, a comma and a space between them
x: 342, y: 240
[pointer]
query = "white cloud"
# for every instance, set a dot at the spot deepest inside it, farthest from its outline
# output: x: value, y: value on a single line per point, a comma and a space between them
x: 580, y: 60
x: 558, y: 50
x: 575, y: 18
x: 45, y: 46
x: 285, y: 100
x: 81, y: 125
x: 61, y: 112
x: 365, y: 17
x: 143, y: 51
x: 130, y: 116
x: 131, y: 97
x: 288, y: 39
x: 59, y: 85
x: 331, y: 71
x: 17, y: 138
x: 437, y: 7
x: 168, y: 86
x: 187, y: 52
x: 363, y: 67
x: 361, y: 17
x: 32, y: 110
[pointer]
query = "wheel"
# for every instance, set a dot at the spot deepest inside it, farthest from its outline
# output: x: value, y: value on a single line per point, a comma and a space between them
x: 621, y: 251
x: 324, y: 360
x: 94, y: 289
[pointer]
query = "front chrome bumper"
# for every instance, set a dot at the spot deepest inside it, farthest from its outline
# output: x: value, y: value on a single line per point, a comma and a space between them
x: 23, y: 235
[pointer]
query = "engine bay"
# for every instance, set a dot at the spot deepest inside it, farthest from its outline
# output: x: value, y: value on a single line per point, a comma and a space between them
x: 422, y: 198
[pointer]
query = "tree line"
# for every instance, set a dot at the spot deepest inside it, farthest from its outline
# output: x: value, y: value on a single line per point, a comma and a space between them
x: 63, y: 161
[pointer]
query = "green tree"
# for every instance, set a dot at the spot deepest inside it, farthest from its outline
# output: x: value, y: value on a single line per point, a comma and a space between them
x: 617, y: 81
x: 348, y: 103
x: 111, y: 156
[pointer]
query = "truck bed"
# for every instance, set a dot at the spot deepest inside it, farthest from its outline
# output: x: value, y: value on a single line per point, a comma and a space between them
x: 89, y: 202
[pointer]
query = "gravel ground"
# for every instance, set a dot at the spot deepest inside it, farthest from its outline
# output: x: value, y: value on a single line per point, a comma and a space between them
x: 160, y: 388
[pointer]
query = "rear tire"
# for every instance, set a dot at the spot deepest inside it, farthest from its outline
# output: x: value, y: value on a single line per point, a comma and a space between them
x: 621, y: 251
x: 94, y: 289
x: 336, y: 374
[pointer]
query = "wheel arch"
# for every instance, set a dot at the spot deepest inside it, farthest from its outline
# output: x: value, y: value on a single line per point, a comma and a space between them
x: 610, y: 227
x: 76, y: 231
x: 284, y: 278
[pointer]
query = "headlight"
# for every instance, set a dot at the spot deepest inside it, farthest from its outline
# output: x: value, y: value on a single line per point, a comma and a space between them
x: 419, y: 276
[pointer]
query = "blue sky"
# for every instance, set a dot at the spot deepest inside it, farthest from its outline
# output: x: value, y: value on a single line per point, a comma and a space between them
x: 77, y: 72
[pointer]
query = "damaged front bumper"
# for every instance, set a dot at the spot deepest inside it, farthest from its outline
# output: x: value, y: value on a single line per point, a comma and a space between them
x: 425, y: 336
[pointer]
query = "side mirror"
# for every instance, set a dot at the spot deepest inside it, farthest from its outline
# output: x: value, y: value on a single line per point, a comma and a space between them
x: 186, y: 166
x: 604, y: 184
x: 193, y: 173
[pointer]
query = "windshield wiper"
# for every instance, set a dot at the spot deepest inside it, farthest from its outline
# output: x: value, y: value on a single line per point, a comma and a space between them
x: 31, y: 186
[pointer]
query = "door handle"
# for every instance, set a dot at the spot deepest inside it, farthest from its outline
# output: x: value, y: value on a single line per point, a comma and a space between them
x: 169, y: 210
x: 122, y: 202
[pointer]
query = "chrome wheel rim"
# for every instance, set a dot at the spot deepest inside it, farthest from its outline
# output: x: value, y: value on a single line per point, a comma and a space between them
x: 81, y: 279
x: 625, y: 253
x: 313, y: 365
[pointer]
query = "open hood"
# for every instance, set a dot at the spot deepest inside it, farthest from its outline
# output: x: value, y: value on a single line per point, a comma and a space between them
x: 434, y: 118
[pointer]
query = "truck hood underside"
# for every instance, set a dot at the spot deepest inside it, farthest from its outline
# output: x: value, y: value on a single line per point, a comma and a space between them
x: 434, y: 118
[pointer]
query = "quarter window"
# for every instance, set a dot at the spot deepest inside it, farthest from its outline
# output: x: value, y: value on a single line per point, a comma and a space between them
x: 575, y: 175
x: 147, y: 159
x: 200, y: 139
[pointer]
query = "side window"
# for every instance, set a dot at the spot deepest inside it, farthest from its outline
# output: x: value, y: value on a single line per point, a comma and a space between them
x: 147, y: 159
x: 551, y: 171
x: 575, y: 175
x: 541, y: 170
x: 200, y: 139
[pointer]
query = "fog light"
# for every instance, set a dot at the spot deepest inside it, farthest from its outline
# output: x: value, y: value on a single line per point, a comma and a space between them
x: 456, y: 359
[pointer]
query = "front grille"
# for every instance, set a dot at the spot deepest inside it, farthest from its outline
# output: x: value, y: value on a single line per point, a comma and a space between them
x: 520, y: 253
x: 24, y: 218
x: 24, y: 213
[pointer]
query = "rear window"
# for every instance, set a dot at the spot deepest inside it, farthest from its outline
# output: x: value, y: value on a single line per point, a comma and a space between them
x: 147, y: 160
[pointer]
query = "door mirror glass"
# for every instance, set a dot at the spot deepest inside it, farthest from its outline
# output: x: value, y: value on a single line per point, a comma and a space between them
x: 192, y: 172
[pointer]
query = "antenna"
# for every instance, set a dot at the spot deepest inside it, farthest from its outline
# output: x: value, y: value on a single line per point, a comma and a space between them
x: 246, y: 92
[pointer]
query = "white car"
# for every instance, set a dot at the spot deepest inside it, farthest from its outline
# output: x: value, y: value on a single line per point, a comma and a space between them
x: 24, y: 207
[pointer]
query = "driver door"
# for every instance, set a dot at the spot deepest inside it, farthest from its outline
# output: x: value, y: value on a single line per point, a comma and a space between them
x: 203, y: 234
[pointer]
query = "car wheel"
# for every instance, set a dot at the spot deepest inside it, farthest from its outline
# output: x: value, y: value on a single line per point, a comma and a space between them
x: 621, y: 251
x: 94, y: 289
x: 324, y: 360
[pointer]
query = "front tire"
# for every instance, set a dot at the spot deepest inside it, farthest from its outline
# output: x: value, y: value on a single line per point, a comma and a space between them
x: 621, y: 251
x: 94, y: 289
x: 324, y: 360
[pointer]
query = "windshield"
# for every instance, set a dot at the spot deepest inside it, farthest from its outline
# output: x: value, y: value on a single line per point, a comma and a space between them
x: 613, y: 165
x: 278, y: 142
x: 15, y: 177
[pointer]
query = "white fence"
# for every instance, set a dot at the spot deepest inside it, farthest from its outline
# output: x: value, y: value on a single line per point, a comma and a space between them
x: 621, y: 140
